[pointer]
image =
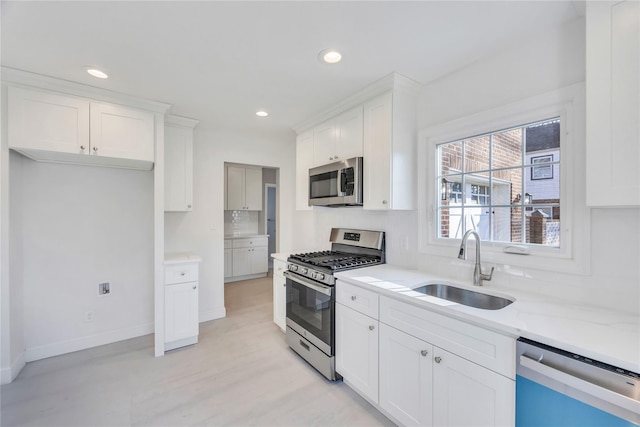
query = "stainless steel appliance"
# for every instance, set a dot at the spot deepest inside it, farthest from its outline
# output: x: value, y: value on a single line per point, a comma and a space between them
x: 311, y: 293
x: 336, y: 184
x: 558, y: 388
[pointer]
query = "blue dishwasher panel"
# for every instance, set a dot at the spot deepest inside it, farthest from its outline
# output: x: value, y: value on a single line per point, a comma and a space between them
x: 539, y: 406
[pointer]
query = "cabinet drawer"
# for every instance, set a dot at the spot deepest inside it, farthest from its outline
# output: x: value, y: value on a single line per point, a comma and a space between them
x: 249, y: 242
x: 180, y: 273
x: 481, y: 346
x: 357, y: 298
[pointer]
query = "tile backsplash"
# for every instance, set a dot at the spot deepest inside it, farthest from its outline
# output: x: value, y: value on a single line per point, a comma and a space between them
x: 240, y: 222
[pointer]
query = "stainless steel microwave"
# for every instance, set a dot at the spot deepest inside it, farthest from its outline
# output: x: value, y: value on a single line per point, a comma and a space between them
x: 336, y: 184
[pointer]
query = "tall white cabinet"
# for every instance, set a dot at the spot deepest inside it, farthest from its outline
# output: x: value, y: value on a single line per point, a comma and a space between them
x: 613, y: 103
x: 178, y: 172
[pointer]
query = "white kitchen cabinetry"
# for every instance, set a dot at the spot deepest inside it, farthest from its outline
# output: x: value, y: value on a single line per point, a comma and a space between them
x: 49, y: 126
x: 249, y: 258
x: 389, y: 151
x: 613, y: 103
x: 181, y: 301
x: 406, y: 377
x: 178, y: 166
x: 279, y: 294
x: 339, y: 138
x: 228, y: 258
x: 244, y: 188
x: 357, y: 339
x: 304, y: 161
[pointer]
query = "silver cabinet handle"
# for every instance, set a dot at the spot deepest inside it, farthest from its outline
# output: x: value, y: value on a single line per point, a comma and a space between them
x: 95, y: 149
x: 189, y: 206
x: 384, y: 202
x: 335, y: 157
x: 424, y: 352
x: 82, y: 147
x: 371, y: 327
x: 182, y: 273
x: 194, y: 286
x: 438, y: 359
x: 353, y: 297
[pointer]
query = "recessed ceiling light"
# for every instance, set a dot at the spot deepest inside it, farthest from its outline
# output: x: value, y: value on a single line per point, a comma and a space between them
x: 262, y: 113
x: 97, y: 73
x: 330, y: 56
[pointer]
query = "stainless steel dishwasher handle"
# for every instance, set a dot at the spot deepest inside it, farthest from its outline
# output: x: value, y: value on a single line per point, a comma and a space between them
x: 580, y: 384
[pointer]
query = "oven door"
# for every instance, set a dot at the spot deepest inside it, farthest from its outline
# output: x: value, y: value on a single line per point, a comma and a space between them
x: 311, y: 310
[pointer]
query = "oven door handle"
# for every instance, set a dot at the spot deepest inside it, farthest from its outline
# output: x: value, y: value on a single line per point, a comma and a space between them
x: 308, y: 283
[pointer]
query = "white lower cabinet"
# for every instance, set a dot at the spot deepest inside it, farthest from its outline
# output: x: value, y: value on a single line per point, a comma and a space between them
x: 246, y: 258
x: 279, y: 294
x: 357, y: 351
x: 406, y: 377
x: 420, y: 367
x: 181, y: 304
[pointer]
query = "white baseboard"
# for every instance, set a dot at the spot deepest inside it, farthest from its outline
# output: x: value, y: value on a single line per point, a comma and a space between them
x: 108, y: 337
x: 248, y: 277
x: 10, y: 373
x: 216, y: 313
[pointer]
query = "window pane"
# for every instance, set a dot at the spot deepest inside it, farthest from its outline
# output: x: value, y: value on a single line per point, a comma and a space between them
x: 543, y: 190
x: 450, y: 223
x: 450, y: 156
x: 507, y: 149
x: 543, y: 136
x: 542, y: 229
x: 507, y: 186
x: 476, y: 153
x: 507, y: 224
x: 478, y: 218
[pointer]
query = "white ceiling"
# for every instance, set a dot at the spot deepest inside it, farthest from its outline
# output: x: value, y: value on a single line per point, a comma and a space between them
x: 219, y: 62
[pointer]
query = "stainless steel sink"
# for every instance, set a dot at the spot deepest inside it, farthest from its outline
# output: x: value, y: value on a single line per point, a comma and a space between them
x: 464, y: 296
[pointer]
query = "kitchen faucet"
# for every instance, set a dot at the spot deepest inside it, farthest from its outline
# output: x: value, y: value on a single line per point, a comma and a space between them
x: 478, y: 277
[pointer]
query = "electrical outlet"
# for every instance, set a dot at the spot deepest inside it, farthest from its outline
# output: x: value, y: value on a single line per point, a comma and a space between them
x: 88, y: 316
x: 104, y: 288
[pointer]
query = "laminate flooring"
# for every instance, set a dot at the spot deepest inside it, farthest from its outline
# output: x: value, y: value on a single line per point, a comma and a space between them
x: 241, y: 373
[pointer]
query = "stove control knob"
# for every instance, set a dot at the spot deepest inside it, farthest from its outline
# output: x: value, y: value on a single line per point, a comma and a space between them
x: 304, y: 271
x: 319, y: 276
x: 293, y: 267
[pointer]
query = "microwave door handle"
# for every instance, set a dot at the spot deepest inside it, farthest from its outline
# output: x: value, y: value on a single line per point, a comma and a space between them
x: 339, y: 180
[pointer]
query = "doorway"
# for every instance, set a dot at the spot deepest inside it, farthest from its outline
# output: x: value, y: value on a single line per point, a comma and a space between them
x: 270, y: 191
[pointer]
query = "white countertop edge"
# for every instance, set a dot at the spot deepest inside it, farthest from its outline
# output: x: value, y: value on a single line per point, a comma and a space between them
x: 243, y: 236
x: 600, y: 334
x: 181, y: 257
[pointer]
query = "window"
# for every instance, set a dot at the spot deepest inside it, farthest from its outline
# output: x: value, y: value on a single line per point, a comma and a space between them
x: 504, y: 184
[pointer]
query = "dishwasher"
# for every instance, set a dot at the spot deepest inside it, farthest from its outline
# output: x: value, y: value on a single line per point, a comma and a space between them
x: 558, y: 388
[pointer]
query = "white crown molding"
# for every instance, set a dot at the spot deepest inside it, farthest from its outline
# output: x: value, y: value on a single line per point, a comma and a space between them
x: 393, y: 81
x: 25, y: 78
x: 180, y: 121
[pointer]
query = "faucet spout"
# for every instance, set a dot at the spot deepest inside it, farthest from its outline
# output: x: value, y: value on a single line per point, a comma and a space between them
x: 478, y: 276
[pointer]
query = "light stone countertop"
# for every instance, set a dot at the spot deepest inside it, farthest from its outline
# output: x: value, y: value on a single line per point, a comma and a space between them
x: 604, y: 335
x: 243, y: 236
x: 181, y: 257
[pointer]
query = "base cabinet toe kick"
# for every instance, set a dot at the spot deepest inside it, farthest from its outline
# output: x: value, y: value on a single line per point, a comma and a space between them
x: 423, y: 368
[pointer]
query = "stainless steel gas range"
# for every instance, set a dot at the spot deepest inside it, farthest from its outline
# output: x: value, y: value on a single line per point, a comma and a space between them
x: 311, y: 293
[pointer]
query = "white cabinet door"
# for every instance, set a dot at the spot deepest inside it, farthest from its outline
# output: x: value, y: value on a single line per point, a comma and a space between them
x: 466, y: 394
x: 357, y: 351
x: 348, y: 135
x: 613, y: 103
x: 235, y: 188
x: 304, y: 161
x: 377, y: 153
x: 178, y: 169
x: 406, y: 378
x: 253, y: 189
x: 259, y: 260
x: 324, y: 143
x: 279, y: 294
x: 242, y: 261
x: 47, y: 121
x: 121, y: 132
x: 228, y: 263
x: 181, y: 311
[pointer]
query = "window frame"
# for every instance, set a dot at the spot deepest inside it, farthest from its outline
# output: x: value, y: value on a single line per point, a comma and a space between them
x: 569, y: 105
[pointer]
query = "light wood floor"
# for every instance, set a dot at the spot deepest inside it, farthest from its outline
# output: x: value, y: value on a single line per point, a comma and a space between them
x: 240, y: 373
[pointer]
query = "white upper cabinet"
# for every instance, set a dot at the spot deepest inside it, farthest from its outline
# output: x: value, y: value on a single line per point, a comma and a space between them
x: 339, y: 138
x: 49, y: 126
x: 304, y: 161
x: 121, y: 132
x: 389, y: 176
x: 244, y: 188
x: 613, y: 103
x: 178, y: 164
